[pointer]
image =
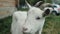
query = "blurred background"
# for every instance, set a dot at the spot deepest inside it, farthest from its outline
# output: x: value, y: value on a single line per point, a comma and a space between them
x: 8, y: 7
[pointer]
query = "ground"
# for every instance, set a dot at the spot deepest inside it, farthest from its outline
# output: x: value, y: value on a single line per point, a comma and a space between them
x: 52, y: 25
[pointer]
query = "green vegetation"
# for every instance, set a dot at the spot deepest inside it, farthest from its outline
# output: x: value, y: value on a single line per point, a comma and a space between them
x: 5, y: 25
x: 52, y: 25
x: 49, y: 1
x: 32, y: 2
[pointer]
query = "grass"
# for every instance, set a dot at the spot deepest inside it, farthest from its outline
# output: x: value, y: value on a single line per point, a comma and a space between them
x: 5, y: 25
x: 52, y: 25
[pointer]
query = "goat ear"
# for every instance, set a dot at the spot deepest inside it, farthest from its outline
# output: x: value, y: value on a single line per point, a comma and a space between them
x: 28, y: 4
x: 39, y: 3
x: 46, y: 12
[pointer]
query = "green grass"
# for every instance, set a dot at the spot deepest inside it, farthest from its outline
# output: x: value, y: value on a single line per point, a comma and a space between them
x: 5, y: 25
x: 52, y: 25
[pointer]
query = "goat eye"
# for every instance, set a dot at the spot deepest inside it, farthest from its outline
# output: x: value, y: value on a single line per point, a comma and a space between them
x: 37, y: 18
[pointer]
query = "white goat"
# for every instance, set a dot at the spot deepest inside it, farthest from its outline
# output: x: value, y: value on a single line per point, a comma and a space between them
x: 29, y: 22
x: 18, y: 17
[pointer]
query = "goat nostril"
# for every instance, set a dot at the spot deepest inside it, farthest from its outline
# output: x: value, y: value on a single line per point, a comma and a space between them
x: 24, y: 29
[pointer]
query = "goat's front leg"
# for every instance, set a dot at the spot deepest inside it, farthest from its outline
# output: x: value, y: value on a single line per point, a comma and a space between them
x: 16, y: 29
x: 40, y: 31
x: 33, y: 33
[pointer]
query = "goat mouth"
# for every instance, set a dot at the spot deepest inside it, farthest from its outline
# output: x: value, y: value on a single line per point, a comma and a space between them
x: 25, y: 32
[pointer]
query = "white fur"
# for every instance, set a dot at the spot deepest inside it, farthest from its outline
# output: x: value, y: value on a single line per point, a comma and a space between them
x: 28, y: 20
x: 20, y: 20
x: 32, y: 24
x: 17, y: 22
